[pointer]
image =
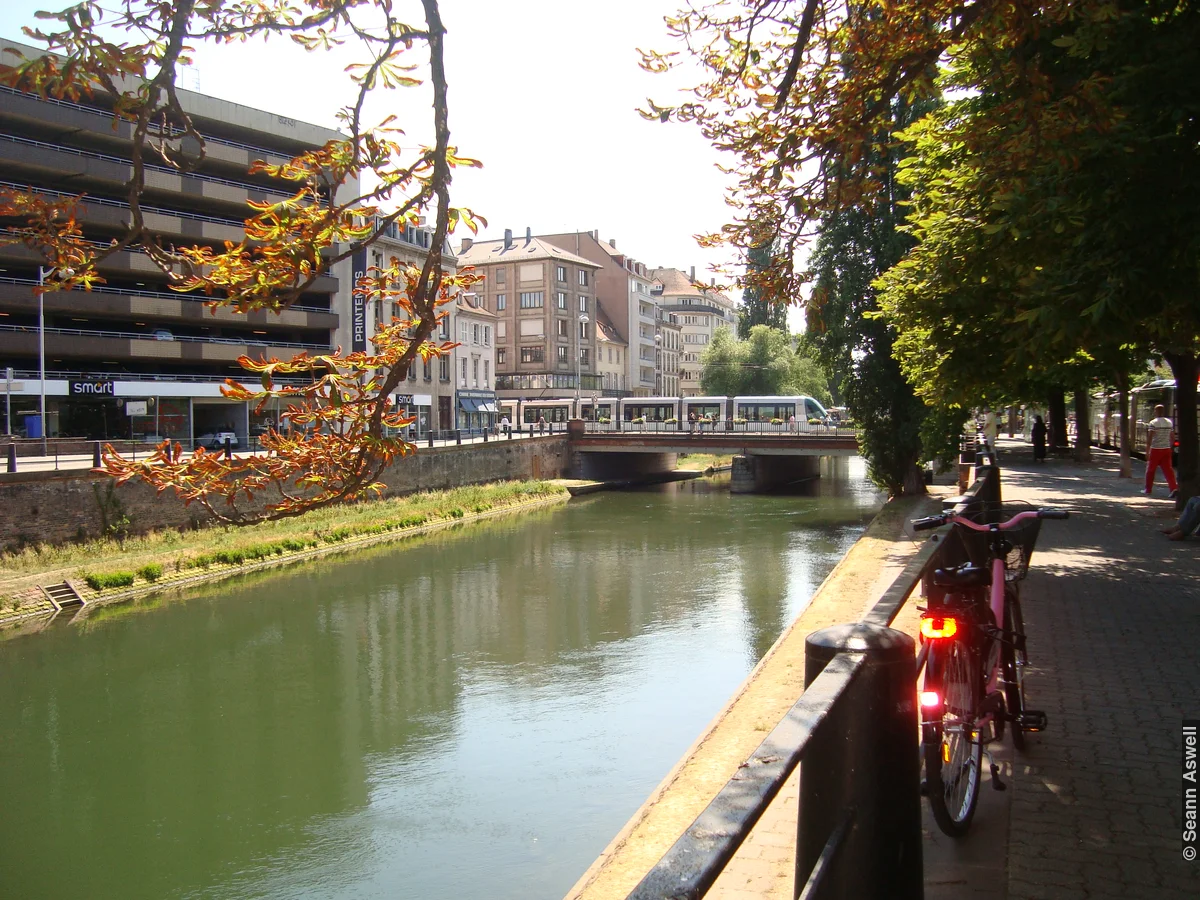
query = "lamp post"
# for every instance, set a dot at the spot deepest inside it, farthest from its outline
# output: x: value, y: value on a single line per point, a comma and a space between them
x: 583, y: 320
x: 42, y: 273
x: 658, y: 369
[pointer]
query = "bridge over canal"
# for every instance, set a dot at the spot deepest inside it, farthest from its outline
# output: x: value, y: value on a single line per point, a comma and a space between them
x: 764, y: 458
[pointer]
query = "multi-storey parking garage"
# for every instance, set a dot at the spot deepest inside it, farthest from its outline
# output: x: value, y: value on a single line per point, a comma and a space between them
x: 132, y: 358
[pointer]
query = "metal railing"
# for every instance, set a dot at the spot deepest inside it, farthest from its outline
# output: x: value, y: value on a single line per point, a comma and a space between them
x: 65, y: 375
x: 160, y: 295
x: 854, y: 734
x: 186, y: 338
x: 722, y: 427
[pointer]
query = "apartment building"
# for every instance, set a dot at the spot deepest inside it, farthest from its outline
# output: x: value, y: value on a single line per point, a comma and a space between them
x: 611, y: 363
x: 429, y: 391
x: 473, y: 364
x: 699, y: 311
x: 668, y: 339
x: 133, y: 359
x: 544, y: 300
x: 623, y: 291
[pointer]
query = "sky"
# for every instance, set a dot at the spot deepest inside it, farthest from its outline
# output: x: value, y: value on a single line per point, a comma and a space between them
x: 544, y: 93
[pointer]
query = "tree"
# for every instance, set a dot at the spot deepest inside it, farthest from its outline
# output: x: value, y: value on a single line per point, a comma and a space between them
x: 1064, y: 175
x: 756, y: 309
x: 763, y: 365
x: 344, y: 415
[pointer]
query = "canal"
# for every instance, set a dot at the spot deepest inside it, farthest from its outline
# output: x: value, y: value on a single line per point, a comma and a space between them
x: 473, y: 714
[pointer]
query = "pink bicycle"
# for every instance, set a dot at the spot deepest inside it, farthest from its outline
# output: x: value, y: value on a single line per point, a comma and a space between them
x: 973, y: 637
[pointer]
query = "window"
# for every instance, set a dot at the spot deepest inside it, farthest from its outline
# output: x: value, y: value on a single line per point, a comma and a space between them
x: 583, y: 277
x: 486, y: 381
x: 561, y: 272
x: 610, y: 354
x: 501, y: 302
x: 583, y: 304
x: 464, y: 332
x: 445, y: 327
x: 501, y: 330
x: 562, y: 327
x: 498, y: 275
x: 464, y: 374
x: 475, y: 333
x: 583, y: 355
x: 501, y: 357
x: 583, y: 330
x: 444, y: 368
x: 562, y: 300
x: 532, y: 328
x: 428, y: 373
x: 487, y: 335
x: 412, y: 372
x: 530, y: 272
x: 618, y: 357
x: 475, y: 370
x: 562, y: 354
x: 532, y: 300
x: 532, y: 355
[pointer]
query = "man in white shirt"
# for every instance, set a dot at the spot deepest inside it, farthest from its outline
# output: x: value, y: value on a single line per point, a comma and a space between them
x: 1160, y: 436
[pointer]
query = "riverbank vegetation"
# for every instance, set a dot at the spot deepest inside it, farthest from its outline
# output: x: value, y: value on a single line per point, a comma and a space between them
x: 702, y: 462
x: 106, y: 564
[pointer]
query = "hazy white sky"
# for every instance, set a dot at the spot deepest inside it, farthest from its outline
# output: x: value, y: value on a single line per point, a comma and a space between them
x: 544, y: 92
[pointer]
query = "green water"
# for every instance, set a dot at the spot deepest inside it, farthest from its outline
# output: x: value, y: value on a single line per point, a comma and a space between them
x: 473, y: 715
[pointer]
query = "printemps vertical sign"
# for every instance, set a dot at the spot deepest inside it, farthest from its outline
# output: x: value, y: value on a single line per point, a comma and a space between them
x: 358, y: 304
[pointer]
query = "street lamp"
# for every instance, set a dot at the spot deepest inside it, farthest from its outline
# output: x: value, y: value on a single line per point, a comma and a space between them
x: 658, y: 367
x: 583, y: 320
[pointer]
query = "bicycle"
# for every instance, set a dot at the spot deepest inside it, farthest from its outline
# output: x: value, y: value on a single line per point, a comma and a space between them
x: 973, y: 640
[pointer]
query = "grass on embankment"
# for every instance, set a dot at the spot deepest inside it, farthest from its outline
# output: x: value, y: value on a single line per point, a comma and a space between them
x: 145, y: 559
x: 699, y: 462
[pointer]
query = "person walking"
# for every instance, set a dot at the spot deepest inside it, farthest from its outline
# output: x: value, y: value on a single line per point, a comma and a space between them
x: 541, y: 424
x: 692, y: 422
x: 1188, y: 522
x: 991, y: 428
x: 1038, y: 433
x: 1160, y: 436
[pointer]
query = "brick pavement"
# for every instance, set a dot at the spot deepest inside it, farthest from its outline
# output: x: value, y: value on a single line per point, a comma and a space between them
x: 1112, y: 609
x: 1093, y: 806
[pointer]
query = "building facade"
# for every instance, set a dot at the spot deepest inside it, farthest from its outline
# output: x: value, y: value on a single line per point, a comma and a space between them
x: 699, y: 310
x: 133, y: 359
x: 611, y: 362
x: 474, y: 364
x: 623, y: 291
x: 544, y: 300
x: 668, y: 339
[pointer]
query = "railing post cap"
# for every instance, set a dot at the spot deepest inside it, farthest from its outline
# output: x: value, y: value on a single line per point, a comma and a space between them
x: 860, y: 637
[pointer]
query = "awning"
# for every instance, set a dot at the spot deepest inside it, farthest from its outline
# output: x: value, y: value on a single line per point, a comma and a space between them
x: 466, y: 404
x: 487, y: 406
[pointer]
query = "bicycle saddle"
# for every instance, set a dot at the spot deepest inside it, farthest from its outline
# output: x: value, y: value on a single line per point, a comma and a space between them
x: 966, y: 575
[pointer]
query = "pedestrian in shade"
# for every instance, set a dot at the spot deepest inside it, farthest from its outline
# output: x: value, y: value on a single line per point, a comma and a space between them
x: 1160, y: 437
x: 1038, y: 433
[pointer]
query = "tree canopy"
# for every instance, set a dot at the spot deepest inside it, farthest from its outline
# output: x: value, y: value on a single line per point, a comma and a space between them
x: 765, y: 364
x: 343, y: 417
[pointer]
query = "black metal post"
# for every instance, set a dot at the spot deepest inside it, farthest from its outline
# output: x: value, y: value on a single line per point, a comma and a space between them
x: 485, y: 434
x: 861, y: 778
x: 431, y: 438
x: 228, y: 448
x: 12, y: 457
x: 458, y: 436
x: 96, y: 455
x: 510, y: 432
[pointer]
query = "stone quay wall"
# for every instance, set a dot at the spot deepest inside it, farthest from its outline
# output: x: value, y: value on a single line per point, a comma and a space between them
x: 52, y: 507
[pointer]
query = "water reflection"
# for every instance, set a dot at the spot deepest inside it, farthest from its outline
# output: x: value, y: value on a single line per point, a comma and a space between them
x: 472, y: 715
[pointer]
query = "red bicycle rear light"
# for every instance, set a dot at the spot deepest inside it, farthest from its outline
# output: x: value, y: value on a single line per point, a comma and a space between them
x: 937, y: 627
x: 930, y: 699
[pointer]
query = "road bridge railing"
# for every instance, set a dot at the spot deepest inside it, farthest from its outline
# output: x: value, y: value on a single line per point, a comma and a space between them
x: 854, y: 733
x: 721, y: 426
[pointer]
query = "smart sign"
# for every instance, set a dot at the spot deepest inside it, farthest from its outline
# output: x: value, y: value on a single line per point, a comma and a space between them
x: 91, y: 389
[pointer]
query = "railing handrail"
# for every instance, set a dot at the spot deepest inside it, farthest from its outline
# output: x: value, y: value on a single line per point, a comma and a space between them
x: 60, y: 375
x: 106, y: 201
x: 696, y: 860
x: 186, y: 338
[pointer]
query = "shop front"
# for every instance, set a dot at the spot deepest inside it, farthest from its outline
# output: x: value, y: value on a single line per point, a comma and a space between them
x: 420, y: 406
x: 476, y: 411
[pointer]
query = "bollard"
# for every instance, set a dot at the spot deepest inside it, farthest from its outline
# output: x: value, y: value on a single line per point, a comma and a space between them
x: 866, y: 763
x: 12, y: 457
x: 485, y: 434
x: 510, y: 432
x: 96, y: 455
x: 431, y: 438
x: 228, y: 449
x: 458, y: 437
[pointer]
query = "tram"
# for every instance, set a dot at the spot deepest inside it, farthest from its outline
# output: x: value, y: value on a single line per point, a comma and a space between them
x: 779, y: 410
x: 650, y: 410
x: 715, y: 412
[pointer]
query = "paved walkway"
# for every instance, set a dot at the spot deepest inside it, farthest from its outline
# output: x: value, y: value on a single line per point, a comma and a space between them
x: 1093, y: 809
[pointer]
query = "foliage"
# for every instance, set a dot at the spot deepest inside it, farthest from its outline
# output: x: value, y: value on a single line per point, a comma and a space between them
x: 755, y: 308
x: 764, y: 365
x: 150, y: 572
x: 338, y: 442
x: 101, y: 581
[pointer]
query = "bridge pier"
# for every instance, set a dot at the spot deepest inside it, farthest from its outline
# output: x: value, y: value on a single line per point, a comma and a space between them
x: 754, y: 474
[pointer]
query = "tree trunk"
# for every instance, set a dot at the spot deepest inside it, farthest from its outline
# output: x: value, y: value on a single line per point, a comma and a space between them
x: 1185, y: 367
x: 1123, y: 437
x: 1056, y: 409
x: 1012, y: 421
x: 1083, y: 427
x: 914, y: 482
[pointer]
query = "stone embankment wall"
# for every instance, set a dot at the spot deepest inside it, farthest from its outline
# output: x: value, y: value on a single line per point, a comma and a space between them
x: 60, y: 506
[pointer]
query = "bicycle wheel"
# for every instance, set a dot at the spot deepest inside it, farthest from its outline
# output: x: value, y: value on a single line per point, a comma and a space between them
x: 1013, y: 660
x: 953, y: 750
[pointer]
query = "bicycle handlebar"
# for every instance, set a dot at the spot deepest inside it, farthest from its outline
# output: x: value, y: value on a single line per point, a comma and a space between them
x: 938, y: 521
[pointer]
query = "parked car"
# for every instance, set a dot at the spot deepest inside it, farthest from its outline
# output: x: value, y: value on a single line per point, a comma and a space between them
x: 215, y: 440
x: 163, y: 334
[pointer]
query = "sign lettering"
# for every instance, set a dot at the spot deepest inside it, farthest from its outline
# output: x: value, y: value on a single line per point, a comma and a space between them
x: 358, y: 304
x: 91, y: 390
